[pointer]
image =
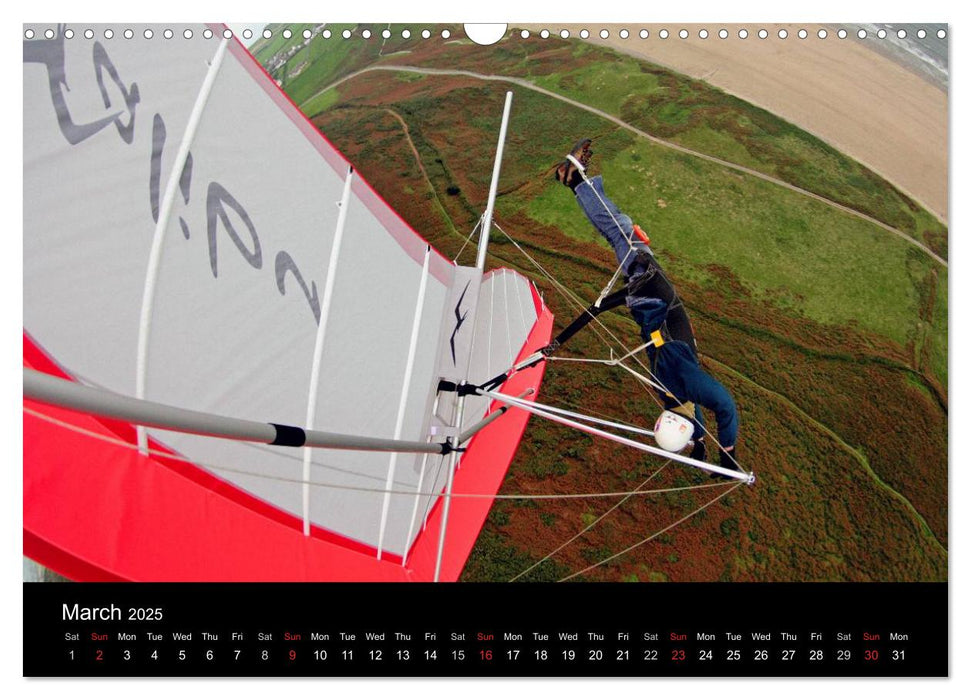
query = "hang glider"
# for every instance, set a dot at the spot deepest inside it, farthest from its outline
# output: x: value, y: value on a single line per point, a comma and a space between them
x: 192, y: 241
x: 240, y: 364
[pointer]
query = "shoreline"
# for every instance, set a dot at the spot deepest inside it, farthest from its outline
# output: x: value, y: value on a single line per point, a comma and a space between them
x: 890, y: 49
x: 865, y: 104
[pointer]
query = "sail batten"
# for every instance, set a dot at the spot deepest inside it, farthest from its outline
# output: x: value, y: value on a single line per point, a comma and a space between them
x: 176, y: 176
x: 234, y: 207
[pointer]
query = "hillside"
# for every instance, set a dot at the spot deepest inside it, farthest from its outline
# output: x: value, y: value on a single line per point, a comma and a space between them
x: 829, y: 328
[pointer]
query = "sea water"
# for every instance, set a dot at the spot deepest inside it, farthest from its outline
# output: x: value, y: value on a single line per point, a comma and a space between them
x: 928, y: 57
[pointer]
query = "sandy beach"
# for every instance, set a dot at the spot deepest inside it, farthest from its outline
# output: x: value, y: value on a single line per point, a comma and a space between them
x: 850, y: 96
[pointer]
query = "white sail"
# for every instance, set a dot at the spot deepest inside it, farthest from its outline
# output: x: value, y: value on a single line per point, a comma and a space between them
x: 242, y: 263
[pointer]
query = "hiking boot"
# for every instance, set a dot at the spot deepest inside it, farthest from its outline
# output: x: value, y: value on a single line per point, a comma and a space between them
x: 728, y: 460
x: 698, y: 451
x: 567, y: 172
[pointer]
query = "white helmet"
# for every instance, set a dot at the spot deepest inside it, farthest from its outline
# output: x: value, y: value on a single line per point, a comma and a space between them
x: 672, y: 432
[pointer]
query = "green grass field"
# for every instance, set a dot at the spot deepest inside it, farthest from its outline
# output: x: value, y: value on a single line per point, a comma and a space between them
x: 694, y: 114
x: 663, y: 103
x: 797, y: 253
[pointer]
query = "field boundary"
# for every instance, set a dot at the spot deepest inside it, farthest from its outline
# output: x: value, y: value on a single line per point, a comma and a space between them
x: 639, y: 132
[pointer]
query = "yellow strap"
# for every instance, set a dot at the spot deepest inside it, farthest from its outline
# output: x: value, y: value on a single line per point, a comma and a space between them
x: 687, y: 409
x: 658, y: 341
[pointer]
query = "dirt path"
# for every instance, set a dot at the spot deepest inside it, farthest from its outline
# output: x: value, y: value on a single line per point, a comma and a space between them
x: 853, y: 98
x: 661, y: 142
x: 424, y: 173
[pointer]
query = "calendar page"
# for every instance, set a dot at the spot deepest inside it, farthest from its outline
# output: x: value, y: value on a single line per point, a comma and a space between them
x: 486, y: 350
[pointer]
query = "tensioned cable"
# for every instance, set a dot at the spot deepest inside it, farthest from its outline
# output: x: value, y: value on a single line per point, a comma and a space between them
x: 552, y: 412
x: 474, y: 229
x: 578, y: 303
x: 344, y: 487
x: 604, y: 515
x: 613, y: 280
x: 591, y: 525
x: 637, y: 375
x: 584, y: 417
x: 594, y: 412
x: 629, y: 239
x: 567, y: 294
x: 656, y: 534
x: 613, y: 362
x: 644, y: 380
x: 610, y: 362
x: 642, y: 446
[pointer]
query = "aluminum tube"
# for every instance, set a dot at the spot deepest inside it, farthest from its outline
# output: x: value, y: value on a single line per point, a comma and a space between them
x: 493, y: 187
x: 107, y: 404
x: 714, y: 468
x: 469, y: 432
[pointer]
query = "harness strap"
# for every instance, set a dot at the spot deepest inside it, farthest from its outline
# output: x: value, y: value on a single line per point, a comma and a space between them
x: 687, y: 409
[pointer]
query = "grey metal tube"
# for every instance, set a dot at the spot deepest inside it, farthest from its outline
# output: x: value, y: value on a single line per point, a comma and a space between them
x: 469, y: 432
x: 107, y: 404
x: 480, y: 257
x: 453, y: 461
x: 480, y: 260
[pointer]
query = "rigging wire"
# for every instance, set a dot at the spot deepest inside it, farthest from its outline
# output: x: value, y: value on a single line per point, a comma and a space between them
x: 577, y: 304
x: 469, y: 238
x: 613, y: 361
x: 644, y: 447
x: 656, y: 534
x: 117, y: 442
x: 547, y: 408
x: 600, y: 414
x: 628, y: 238
x: 574, y: 301
x: 654, y: 382
x: 591, y: 525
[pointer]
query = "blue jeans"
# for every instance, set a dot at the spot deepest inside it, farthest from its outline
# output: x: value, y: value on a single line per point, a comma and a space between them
x: 676, y: 367
x: 602, y: 213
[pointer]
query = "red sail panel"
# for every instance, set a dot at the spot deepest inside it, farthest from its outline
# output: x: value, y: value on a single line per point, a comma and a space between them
x: 96, y: 510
